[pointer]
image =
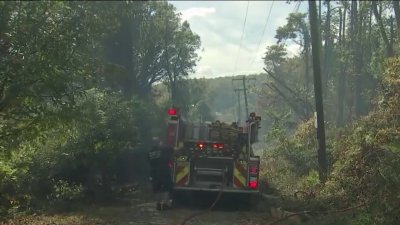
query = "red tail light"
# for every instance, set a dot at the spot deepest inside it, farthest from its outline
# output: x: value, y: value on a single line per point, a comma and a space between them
x: 218, y: 146
x: 200, y: 145
x: 253, y: 184
x: 172, y: 112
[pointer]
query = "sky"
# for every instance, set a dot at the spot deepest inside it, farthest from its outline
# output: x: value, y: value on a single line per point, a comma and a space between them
x: 220, y: 24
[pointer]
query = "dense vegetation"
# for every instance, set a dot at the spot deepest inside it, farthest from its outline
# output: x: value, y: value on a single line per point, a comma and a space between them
x: 361, y: 100
x: 84, y: 86
x: 76, y: 95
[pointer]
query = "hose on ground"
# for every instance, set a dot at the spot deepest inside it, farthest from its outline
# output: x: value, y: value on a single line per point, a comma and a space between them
x: 185, y: 220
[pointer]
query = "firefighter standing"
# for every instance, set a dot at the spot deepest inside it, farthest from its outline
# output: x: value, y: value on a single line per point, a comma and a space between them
x: 160, y: 173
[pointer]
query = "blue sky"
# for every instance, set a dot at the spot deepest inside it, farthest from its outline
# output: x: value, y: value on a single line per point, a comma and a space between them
x: 219, y: 25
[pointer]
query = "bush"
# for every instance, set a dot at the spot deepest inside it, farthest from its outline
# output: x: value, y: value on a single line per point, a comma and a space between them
x: 292, y: 158
x: 81, y: 155
x: 367, y: 167
x: 64, y: 191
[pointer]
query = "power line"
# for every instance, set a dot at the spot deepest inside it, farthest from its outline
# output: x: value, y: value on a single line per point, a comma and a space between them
x: 244, y: 89
x: 262, y: 35
x: 298, y: 6
x: 241, y: 38
x: 295, y: 10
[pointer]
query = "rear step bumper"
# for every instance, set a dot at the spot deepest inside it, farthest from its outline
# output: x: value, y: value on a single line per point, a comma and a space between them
x: 232, y: 190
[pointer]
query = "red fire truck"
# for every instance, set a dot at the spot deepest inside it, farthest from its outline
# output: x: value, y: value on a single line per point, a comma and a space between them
x: 213, y: 156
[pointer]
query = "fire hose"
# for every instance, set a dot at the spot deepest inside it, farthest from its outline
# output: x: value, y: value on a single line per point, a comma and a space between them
x: 186, y: 219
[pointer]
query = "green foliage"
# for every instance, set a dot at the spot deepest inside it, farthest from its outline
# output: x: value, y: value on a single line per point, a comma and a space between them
x: 312, y: 180
x: 62, y: 190
x: 151, y: 44
x: 275, y: 56
x: 42, y: 47
x: 365, y: 166
x: 71, y: 122
x: 367, y: 162
x: 291, y: 160
x: 7, y: 178
x: 296, y: 26
x: 82, y: 154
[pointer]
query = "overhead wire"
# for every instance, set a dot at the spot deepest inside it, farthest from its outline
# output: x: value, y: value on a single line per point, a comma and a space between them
x: 263, y: 32
x: 295, y: 10
x: 297, y: 7
x: 241, y: 38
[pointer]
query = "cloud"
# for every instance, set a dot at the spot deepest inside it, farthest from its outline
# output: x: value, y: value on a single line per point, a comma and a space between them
x: 187, y: 14
x: 219, y: 25
x: 293, y: 49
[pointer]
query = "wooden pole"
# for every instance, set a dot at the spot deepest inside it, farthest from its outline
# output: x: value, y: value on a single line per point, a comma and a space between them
x: 315, y: 40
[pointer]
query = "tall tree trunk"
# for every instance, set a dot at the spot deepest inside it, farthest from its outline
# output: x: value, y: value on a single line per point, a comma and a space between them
x: 352, y: 47
x: 327, y: 49
x: 315, y: 37
x: 391, y: 33
x: 370, y: 29
x: 358, y: 60
x: 320, y: 12
x: 307, y: 70
x: 389, y: 50
x: 396, y: 8
x: 341, y: 82
x: 307, y: 45
x: 320, y: 25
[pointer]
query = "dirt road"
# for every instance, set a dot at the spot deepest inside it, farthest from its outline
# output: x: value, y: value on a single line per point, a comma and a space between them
x: 139, y: 209
x: 230, y: 210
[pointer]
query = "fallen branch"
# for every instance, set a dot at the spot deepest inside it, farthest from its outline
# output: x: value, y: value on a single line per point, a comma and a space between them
x: 288, y: 216
x: 315, y: 212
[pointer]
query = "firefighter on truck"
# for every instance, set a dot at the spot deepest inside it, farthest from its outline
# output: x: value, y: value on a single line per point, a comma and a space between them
x: 213, y: 156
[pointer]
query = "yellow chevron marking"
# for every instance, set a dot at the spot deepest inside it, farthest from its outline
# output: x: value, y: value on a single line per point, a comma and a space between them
x: 182, y: 174
x: 239, y: 176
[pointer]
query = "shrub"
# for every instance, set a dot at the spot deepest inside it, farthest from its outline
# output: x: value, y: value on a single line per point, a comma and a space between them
x: 65, y: 192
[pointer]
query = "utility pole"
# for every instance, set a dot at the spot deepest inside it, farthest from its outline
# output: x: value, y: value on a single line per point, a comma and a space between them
x: 244, y: 79
x: 245, y: 96
x: 238, y: 90
x: 315, y: 38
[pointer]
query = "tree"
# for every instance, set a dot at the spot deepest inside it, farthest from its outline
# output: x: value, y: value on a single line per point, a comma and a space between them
x: 389, y: 49
x: 322, y: 161
x: 152, y: 44
x: 297, y: 27
x: 181, y: 57
x: 396, y: 8
x: 47, y: 61
x: 275, y: 61
x: 328, y: 48
x: 274, y: 57
x: 341, y: 77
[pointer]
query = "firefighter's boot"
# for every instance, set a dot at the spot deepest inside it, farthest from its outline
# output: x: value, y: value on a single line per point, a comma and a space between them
x: 158, y: 206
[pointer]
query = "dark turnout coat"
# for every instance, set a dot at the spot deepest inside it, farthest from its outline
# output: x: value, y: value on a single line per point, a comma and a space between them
x: 160, y: 159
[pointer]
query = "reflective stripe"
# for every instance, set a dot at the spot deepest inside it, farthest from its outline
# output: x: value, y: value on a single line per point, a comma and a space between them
x: 239, y: 175
x: 182, y: 173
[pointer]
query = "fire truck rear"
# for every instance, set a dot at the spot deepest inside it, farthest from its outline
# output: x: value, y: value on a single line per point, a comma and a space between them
x: 214, y: 156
